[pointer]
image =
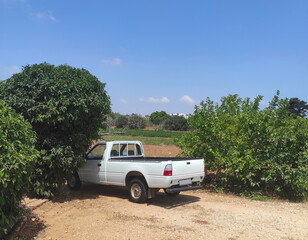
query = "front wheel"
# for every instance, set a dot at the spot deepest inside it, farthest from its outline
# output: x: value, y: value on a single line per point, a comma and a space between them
x: 137, y: 191
x: 73, y: 182
x: 172, y: 194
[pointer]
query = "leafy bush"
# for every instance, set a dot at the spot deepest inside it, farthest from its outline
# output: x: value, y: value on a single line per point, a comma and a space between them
x: 158, y: 117
x: 66, y: 107
x: 17, y: 159
x: 176, y: 123
x: 251, y: 149
x: 136, y: 121
x: 121, y: 122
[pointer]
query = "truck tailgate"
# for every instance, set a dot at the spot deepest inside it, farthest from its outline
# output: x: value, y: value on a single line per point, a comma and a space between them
x: 187, y: 167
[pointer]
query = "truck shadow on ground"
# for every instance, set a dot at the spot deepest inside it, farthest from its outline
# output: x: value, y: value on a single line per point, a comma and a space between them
x: 169, y: 202
x: 89, y: 191
x: 93, y: 191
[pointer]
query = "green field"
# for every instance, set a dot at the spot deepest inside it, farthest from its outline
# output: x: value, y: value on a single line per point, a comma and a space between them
x: 145, y: 133
x: 155, y: 137
x: 144, y: 140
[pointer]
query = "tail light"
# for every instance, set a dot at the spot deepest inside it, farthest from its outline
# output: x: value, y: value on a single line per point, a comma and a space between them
x: 168, y: 170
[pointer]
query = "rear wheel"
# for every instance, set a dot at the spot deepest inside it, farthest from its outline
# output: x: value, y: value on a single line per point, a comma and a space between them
x: 172, y: 194
x: 73, y: 182
x: 137, y: 190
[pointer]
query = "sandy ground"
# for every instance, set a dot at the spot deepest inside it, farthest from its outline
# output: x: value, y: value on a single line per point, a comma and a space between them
x: 104, y: 212
x: 161, y: 151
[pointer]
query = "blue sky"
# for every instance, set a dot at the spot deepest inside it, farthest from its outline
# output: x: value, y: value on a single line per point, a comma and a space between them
x: 163, y: 54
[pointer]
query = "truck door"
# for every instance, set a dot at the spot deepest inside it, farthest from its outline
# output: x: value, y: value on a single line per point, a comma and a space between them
x: 94, y: 168
x: 116, y: 164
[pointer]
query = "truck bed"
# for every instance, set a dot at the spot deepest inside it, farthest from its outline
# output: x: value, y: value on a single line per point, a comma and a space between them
x: 152, y: 159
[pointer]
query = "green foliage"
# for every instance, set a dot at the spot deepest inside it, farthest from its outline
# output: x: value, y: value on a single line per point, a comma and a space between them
x: 251, y: 149
x: 66, y: 107
x: 297, y: 107
x: 136, y: 121
x: 176, y: 123
x: 158, y: 117
x: 121, y: 121
x: 17, y: 159
x: 255, y: 195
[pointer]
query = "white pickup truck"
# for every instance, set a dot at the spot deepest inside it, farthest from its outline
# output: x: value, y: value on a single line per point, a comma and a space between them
x: 123, y: 163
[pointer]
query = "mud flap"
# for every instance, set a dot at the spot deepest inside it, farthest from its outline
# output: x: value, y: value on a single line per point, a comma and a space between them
x: 151, y: 193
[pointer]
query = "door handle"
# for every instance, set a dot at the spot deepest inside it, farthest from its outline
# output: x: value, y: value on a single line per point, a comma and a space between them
x: 99, y: 164
x: 188, y: 163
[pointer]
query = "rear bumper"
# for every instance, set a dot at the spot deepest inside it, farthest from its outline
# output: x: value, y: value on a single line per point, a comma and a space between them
x: 173, y: 181
x: 184, y: 188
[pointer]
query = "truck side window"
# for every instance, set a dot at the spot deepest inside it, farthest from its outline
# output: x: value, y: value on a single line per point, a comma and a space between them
x: 131, y: 149
x: 138, y: 149
x: 115, y: 150
x: 123, y: 150
x: 97, y: 152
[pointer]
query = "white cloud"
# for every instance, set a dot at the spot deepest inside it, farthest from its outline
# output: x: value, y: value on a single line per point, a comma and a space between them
x: 114, y: 61
x: 8, y: 71
x: 155, y: 100
x: 46, y: 15
x: 124, y: 101
x: 165, y: 100
x: 187, y: 99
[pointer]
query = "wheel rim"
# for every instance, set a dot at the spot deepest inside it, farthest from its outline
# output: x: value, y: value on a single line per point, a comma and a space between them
x: 72, y: 181
x: 135, y: 191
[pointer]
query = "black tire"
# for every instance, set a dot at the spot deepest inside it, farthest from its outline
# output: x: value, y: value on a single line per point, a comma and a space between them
x: 137, y: 191
x: 171, y: 194
x: 73, y: 182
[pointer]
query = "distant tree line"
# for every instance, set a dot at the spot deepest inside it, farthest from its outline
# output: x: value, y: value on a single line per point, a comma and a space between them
x: 160, y: 120
x: 297, y: 107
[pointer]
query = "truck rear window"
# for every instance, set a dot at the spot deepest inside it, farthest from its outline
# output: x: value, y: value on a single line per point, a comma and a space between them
x: 125, y: 150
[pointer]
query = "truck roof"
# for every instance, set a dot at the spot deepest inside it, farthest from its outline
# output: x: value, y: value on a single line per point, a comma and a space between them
x: 119, y: 141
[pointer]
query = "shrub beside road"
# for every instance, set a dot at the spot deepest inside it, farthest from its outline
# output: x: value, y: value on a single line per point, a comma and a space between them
x: 17, y: 160
x: 252, y: 151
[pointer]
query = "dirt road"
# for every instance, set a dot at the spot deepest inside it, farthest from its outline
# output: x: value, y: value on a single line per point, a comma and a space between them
x: 104, y: 212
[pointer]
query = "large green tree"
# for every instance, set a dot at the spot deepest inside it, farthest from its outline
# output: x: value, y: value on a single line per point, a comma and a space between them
x: 251, y: 149
x: 176, y: 123
x: 297, y: 107
x: 136, y: 121
x: 158, y: 117
x: 66, y: 107
x: 121, y: 121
